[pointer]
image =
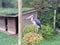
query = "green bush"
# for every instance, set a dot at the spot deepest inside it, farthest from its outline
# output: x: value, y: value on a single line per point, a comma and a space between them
x: 46, y: 16
x: 46, y: 31
x: 29, y: 28
x: 10, y: 3
x: 32, y: 39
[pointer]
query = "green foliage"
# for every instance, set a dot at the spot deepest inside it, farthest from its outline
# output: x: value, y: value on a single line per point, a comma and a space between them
x: 53, y: 40
x: 0, y: 3
x: 58, y: 21
x: 46, y: 31
x: 32, y: 39
x: 36, y: 4
x: 10, y: 3
x: 14, y: 3
x: 26, y: 3
x: 40, y: 4
x: 29, y: 28
x: 54, y: 3
x: 26, y: 9
x: 46, y: 16
x: 8, y: 11
x: 12, y: 10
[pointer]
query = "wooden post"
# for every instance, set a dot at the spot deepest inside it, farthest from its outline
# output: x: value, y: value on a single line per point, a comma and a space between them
x: 54, y: 20
x: 19, y: 21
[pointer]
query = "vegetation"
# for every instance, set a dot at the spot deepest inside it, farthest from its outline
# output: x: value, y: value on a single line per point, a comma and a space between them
x: 29, y: 28
x: 46, y: 31
x: 9, y: 3
x: 46, y: 16
x: 12, y: 10
x: 26, y: 3
x: 32, y: 39
x: 8, y: 11
x: 58, y: 21
x: 47, y: 11
x: 53, y: 40
x: 7, y: 40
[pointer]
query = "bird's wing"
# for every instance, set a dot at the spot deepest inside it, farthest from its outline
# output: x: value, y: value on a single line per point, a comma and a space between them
x: 37, y: 21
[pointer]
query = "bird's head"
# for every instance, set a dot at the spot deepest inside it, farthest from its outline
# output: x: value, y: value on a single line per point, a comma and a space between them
x: 31, y: 16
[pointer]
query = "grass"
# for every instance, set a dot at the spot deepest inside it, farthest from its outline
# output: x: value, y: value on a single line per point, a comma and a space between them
x: 8, y: 11
x: 7, y: 40
x: 54, y: 40
x: 26, y: 9
x: 12, y: 10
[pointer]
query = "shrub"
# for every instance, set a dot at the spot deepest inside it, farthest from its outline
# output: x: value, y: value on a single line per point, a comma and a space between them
x: 46, y: 31
x: 32, y: 39
x: 29, y: 28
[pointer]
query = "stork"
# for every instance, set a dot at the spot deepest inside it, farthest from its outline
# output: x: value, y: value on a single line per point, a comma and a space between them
x: 35, y: 21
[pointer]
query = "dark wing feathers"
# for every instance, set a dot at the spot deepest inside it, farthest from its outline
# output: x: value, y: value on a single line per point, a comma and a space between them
x: 37, y: 21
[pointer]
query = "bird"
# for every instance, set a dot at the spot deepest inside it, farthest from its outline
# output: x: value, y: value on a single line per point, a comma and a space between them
x: 35, y: 21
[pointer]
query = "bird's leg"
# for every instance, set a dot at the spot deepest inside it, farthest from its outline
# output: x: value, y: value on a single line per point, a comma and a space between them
x: 36, y: 30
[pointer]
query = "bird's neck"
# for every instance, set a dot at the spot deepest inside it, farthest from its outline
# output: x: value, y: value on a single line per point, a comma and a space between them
x: 32, y: 19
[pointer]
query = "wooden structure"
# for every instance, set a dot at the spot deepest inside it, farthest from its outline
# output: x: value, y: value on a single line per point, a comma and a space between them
x: 9, y: 23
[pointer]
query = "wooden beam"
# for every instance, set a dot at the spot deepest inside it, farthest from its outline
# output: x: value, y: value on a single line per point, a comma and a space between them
x: 19, y: 21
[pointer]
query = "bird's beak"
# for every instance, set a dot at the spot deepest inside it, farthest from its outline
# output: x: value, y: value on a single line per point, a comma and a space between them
x: 28, y: 17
